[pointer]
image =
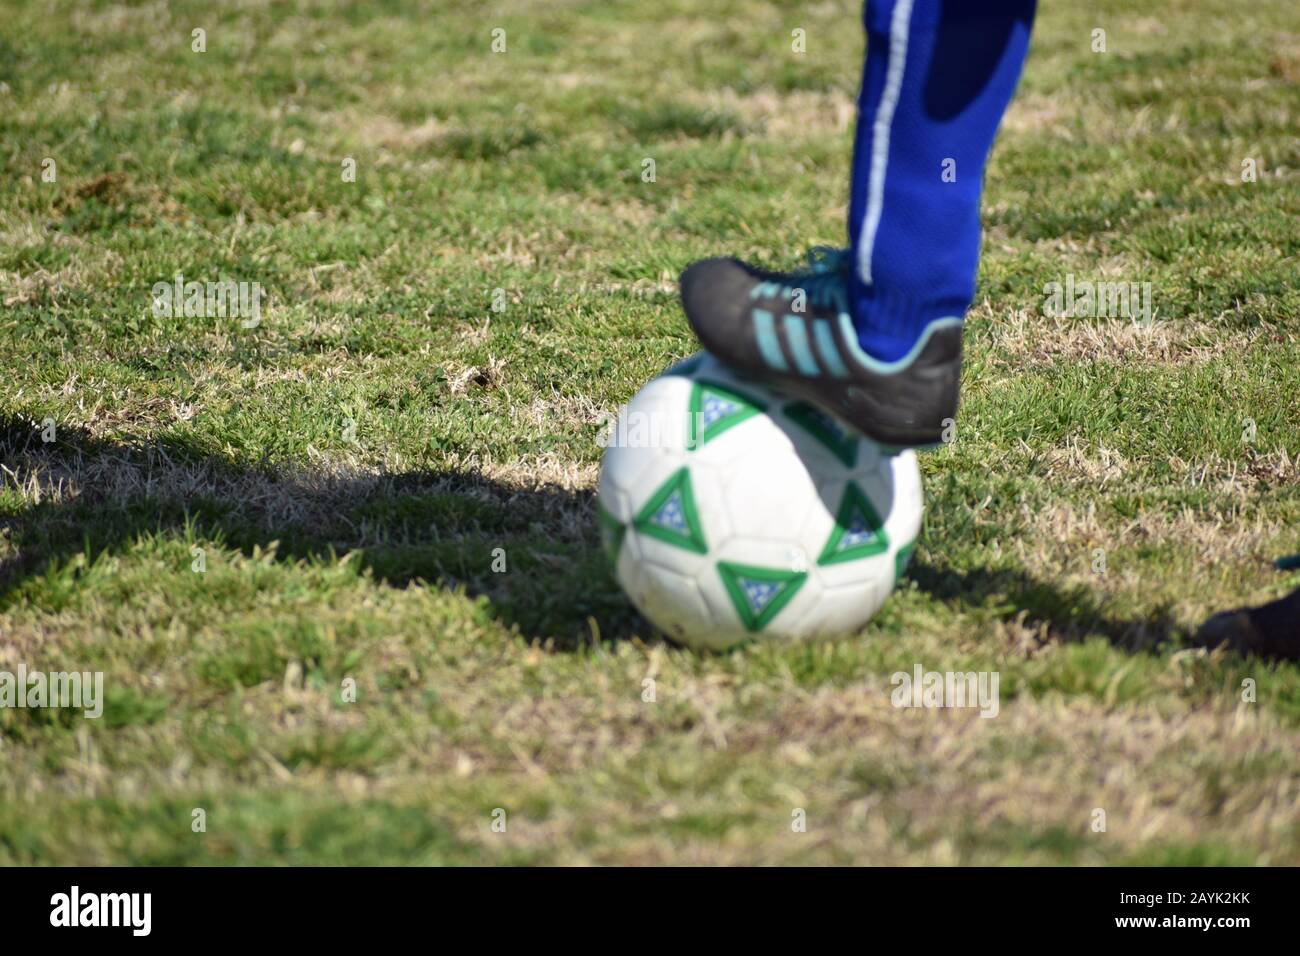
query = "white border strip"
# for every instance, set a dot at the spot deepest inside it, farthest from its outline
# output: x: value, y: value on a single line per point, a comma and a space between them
x: 898, y: 25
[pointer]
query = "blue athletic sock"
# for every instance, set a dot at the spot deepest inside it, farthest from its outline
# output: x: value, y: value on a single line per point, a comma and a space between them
x: 938, y: 77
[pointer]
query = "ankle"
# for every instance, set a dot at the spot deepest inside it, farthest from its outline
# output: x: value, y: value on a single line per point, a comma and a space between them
x: 890, y: 322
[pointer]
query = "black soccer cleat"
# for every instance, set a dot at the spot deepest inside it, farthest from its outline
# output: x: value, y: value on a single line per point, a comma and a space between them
x: 793, y: 331
x: 1271, y: 630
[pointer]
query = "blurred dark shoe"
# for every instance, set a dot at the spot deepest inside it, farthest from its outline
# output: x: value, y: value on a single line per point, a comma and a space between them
x: 1270, y: 630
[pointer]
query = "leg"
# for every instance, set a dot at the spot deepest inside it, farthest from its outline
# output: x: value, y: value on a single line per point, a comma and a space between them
x: 873, y: 335
x: 938, y: 77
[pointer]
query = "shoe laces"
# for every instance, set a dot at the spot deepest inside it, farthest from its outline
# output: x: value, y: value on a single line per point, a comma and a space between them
x: 824, y: 278
x: 825, y: 259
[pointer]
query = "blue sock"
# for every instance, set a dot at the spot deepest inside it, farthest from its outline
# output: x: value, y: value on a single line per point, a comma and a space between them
x: 938, y: 77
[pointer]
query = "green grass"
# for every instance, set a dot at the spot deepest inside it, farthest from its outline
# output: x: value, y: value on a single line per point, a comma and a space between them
x: 346, y: 469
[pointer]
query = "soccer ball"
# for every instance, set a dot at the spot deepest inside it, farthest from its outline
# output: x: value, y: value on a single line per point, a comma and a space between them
x: 730, y: 511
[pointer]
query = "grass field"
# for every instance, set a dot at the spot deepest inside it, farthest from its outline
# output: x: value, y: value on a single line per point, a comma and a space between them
x: 344, y: 469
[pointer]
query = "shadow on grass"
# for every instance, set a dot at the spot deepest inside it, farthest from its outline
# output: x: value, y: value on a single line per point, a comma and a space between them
x: 440, y: 528
x: 1070, y: 613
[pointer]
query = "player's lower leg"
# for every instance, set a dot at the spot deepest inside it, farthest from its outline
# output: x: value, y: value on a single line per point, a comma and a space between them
x: 873, y: 334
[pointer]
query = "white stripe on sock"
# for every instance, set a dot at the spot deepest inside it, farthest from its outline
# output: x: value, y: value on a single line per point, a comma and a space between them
x: 880, y: 135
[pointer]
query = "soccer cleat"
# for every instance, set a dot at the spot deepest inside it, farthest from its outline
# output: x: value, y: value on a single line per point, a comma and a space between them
x: 1270, y: 630
x: 793, y: 331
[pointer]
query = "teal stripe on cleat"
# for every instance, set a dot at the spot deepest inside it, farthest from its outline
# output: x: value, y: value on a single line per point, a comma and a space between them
x: 765, y: 329
x: 796, y: 334
x: 890, y: 368
x: 826, y: 345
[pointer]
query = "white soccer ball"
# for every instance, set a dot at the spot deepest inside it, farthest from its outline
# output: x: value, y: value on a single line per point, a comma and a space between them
x: 731, y: 511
